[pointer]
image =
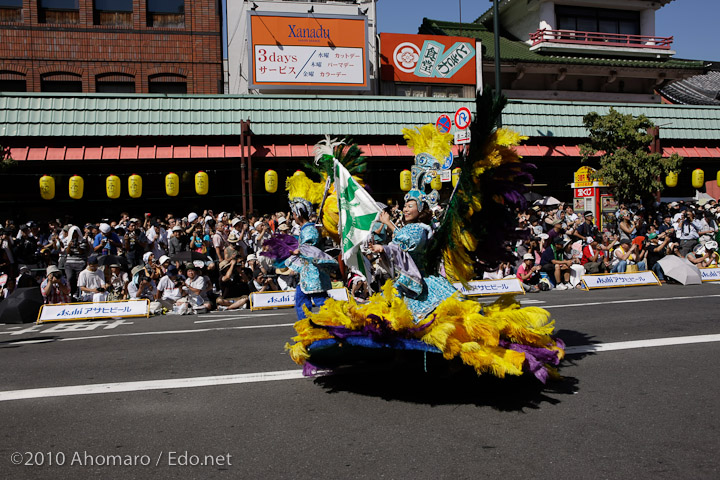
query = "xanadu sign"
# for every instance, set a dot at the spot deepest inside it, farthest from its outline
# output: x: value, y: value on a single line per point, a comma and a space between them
x: 427, y: 59
x: 309, y: 52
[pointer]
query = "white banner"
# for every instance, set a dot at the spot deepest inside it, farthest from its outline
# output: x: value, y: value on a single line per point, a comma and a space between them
x: 710, y: 274
x: 92, y: 311
x: 491, y: 287
x: 608, y: 280
x: 286, y: 298
x: 290, y: 64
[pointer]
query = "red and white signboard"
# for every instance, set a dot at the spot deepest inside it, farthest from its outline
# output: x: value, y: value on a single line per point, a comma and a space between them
x: 463, y: 117
x: 584, y: 192
x: 462, y: 137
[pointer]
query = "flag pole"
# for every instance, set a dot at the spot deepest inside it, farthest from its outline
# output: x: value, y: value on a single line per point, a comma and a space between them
x: 341, y: 263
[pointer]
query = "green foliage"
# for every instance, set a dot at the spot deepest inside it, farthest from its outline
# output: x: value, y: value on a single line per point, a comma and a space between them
x: 6, y: 161
x: 626, y: 163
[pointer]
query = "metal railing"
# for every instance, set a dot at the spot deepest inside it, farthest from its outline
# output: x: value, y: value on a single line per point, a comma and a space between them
x: 600, y: 39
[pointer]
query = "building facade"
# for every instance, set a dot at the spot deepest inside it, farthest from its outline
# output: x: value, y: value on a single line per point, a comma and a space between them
x: 111, y: 46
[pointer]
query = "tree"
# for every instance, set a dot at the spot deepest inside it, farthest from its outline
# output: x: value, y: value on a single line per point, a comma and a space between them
x: 6, y: 161
x: 626, y: 163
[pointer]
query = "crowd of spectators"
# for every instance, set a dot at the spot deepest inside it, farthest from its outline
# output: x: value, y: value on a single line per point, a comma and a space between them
x: 561, y: 245
x: 206, y: 261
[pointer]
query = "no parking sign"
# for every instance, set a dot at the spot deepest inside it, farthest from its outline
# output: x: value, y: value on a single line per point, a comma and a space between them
x: 443, y: 124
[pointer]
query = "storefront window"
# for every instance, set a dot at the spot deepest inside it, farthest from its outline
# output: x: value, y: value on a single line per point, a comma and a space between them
x: 58, y: 11
x: 166, y: 13
x: 113, y: 12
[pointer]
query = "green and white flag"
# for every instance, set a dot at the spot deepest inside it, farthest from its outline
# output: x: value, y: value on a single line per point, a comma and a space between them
x: 358, y: 211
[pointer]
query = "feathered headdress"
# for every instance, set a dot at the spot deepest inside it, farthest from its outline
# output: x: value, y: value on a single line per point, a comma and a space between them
x: 429, y: 147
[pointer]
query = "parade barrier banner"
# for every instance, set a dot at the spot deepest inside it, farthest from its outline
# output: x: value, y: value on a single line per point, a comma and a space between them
x: 69, y: 312
x: 711, y: 274
x: 610, y: 280
x: 286, y: 298
x: 491, y: 287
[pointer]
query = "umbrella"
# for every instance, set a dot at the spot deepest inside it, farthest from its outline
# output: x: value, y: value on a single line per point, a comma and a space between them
x: 189, y: 256
x: 111, y: 259
x: 680, y: 269
x: 532, y: 196
x: 22, y: 306
x: 547, y: 201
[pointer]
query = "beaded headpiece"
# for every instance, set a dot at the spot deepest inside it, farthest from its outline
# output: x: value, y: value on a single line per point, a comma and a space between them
x: 426, y: 168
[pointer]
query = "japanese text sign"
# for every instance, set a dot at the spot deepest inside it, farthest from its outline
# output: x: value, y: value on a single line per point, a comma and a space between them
x: 286, y: 298
x: 427, y: 59
x: 308, y: 51
x: 710, y: 274
x: 491, y: 287
x: 620, y: 279
x: 92, y: 311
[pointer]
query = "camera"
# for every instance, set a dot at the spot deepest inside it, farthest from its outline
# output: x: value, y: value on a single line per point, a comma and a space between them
x: 179, y: 284
x: 57, y: 275
x: 100, y: 289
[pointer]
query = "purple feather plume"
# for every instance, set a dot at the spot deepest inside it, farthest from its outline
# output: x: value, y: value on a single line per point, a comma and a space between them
x: 280, y: 247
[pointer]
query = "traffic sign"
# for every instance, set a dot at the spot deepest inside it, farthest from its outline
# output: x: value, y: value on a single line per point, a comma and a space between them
x: 463, y: 117
x: 443, y: 124
x: 462, y: 137
x: 445, y: 175
x: 448, y: 161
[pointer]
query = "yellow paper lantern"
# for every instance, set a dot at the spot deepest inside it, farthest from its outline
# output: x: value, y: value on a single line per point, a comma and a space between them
x: 436, y: 183
x: 172, y: 184
x: 76, y: 187
x: 299, y: 173
x: 671, y: 179
x: 698, y: 178
x: 47, y: 187
x: 718, y: 178
x: 271, y: 181
x: 405, y: 180
x: 202, y: 183
x: 455, y: 176
x: 112, y: 186
x: 135, y: 185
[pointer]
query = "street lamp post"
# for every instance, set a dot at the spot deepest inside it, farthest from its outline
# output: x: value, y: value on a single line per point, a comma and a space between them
x: 496, y: 31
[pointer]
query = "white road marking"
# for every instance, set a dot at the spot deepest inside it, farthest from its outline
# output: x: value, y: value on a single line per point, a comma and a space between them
x: 292, y: 374
x: 233, y: 317
x: 169, y: 332
x: 636, y: 300
x: 150, y: 385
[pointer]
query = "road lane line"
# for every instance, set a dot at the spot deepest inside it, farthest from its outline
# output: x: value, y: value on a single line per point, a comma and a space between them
x: 657, y: 342
x: 169, y: 332
x: 150, y: 385
x: 233, y: 317
x: 636, y: 300
x: 294, y: 374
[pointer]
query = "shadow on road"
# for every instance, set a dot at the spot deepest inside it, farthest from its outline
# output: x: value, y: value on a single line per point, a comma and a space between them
x: 415, y: 378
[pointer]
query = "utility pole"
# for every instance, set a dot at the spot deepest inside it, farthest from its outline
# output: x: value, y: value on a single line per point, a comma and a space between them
x: 496, y: 29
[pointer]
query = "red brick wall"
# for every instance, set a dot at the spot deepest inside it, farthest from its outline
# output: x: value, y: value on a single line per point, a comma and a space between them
x: 194, y: 51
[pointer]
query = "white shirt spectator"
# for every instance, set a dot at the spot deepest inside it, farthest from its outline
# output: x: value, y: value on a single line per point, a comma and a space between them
x: 168, y: 290
x: 90, y: 279
x: 157, y: 240
x: 149, y: 291
x: 201, y: 284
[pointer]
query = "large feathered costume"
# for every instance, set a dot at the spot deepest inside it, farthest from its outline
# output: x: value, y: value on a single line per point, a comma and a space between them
x: 419, y: 309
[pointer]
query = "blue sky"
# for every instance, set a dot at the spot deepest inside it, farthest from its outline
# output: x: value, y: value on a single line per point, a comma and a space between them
x: 690, y: 22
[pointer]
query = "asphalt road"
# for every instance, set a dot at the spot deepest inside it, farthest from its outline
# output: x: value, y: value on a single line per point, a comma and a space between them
x: 639, y: 399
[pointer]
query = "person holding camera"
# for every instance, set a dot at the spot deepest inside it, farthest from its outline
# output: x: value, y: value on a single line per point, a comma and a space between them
x: 106, y: 242
x: 91, y: 282
x: 55, y: 288
x: 687, y: 231
x: 141, y: 286
x: 134, y: 242
x: 171, y: 288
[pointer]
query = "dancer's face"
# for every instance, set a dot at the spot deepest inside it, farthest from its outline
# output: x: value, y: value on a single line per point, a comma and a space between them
x: 410, y: 211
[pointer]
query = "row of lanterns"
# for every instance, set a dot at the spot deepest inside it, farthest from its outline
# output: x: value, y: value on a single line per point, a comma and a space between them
x: 113, y: 186
x: 697, y: 178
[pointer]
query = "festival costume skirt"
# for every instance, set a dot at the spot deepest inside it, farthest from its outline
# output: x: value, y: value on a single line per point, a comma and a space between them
x: 500, y: 338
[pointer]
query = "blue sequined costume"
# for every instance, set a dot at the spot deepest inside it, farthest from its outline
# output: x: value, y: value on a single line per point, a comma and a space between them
x: 312, y: 264
x: 422, y: 293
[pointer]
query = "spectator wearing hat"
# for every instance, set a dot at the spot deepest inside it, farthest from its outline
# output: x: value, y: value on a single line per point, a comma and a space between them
x: 528, y: 273
x: 54, y: 288
x: 593, y: 258
x: 198, y: 286
x: 657, y: 248
x: 25, y: 246
x: 170, y: 288
x: 557, y: 230
x: 134, y: 242
x: 92, y: 284
x: 587, y: 230
x: 687, y: 231
x: 176, y: 242
x: 140, y: 285
x: 240, y: 229
x: 626, y: 227
x: 704, y: 255
x: 106, y: 242
x: 554, y: 263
